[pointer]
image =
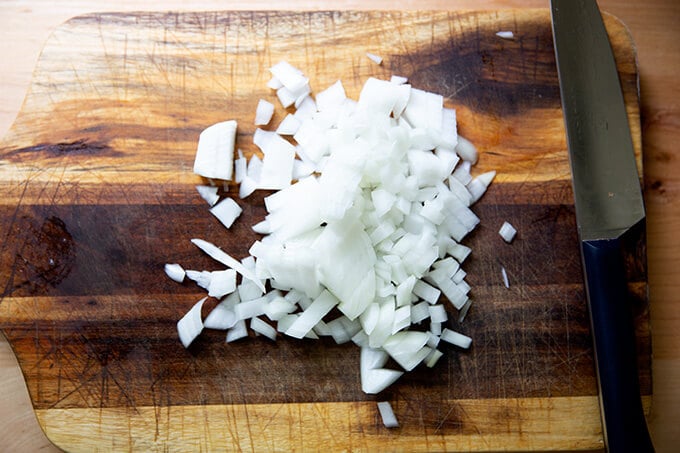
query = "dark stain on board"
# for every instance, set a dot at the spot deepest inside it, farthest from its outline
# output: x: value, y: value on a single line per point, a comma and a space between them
x: 45, y: 254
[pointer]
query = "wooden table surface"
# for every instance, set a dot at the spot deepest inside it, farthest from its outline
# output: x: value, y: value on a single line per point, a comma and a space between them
x: 25, y: 26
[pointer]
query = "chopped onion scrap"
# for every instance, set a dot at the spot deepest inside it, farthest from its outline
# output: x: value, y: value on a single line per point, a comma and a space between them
x: 387, y: 415
x: 175, y: 272
x: 504, y: 274
x: 226, y: 211
x: 374, y: 58
x: 505, y: 34
x: 215, y: 151
x: 264, y: 112
x: 507, y: 232
x: 361, y: 240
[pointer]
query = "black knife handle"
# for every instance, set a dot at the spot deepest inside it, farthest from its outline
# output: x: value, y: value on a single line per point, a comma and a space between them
x: 624, y: 425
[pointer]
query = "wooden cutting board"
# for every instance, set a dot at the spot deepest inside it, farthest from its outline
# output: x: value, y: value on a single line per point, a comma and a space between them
x: 98, y: 193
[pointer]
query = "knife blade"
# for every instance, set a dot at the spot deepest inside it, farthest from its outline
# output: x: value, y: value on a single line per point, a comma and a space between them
x: 609, y: 205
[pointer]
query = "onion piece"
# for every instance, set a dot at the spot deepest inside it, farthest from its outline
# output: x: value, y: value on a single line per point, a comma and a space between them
x: 407, y: 348
x: 215, y: 151
x: 219, y: 255
x: 312, y: 315
x: 175, y: 272
x: 505, y: 34
x: 238, y: 331
x: 466, y: 150
x: 261, y: 327
x: 251, y: 308
x: 477, y: 187
x: 247, y: 187
x: 459, y: 251
x: 222, y: 317
x: 249, y: 290
x: 456, y: 338
x: 264, y: 112
x: 277, y: 165
x: 419, y: 312
x: 402, y: 318
x: 369, y: 318
x: 377, y: 380
x: 404, y: 291
x: 433, y: 358
x: 507, y: 232
x: 226, y: 211
x: 374, y: 58
x: 424, y: 109
x: 398, y: 80
x: 504, y: 275
x: 426, y: 292
x: 278, y: 308
x: 437, y: 313
x: 289, y: 76
x: 433, y: 335
x: 464, y: 310
x: 288, y: 126
x: 337, y: 330
x: 383, y: 328
x: 462, y: 172
x: 331, y: 98
x: 387, y: 415
x: 222, y: 283
x: 208, y: 193
x: 202, y: 278
x: 191, y: 325
x: 372, y: 358
x: 360, y: 339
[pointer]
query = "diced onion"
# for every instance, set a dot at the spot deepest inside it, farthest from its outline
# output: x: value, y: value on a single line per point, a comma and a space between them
x: 264, y: 112
x: 222, y: 317
x: 224, y: 258
x: 504, y: 274
x: 238, y: 331
x: 222, y: 283
x: 437, y: 313
x: 387, y: 414
x: 456, y: 338
x: 191, y: 325
x: 175, y: 272
x: 433, y: 358
x: 505, y: 34
x: 202, y: 278
x: 263, y: 328
x: 507, y: 232
x: 208, y: 193
x: 289, y: 125
x: 371, y: 201
x: 374, y: 58
x: 312, y: 315
x: 215, y: 151
x: 226, y: 211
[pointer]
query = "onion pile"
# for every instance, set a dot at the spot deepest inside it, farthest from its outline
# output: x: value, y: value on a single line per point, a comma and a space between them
x: 362, y: 237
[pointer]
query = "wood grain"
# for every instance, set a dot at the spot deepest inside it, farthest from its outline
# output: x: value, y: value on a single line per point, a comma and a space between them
x: 88, y: 151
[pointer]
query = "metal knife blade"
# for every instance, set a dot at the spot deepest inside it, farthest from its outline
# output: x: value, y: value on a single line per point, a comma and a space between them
x: 606, y: 183
x: 609, y: 204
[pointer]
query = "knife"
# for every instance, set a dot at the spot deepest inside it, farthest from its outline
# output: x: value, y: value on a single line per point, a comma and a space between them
x: 609, y: 205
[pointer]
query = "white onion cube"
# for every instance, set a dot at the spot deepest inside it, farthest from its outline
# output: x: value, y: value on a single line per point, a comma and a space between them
x: 215, y: 151
x: 175, y: 272
x: 387, y: 415
x: 226, y: 211
x: 455, y: 338
x: 264, y: 112
x: 507, y: 232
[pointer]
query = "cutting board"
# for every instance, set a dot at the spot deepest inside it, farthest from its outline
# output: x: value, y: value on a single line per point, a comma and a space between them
x: 98, y: 194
